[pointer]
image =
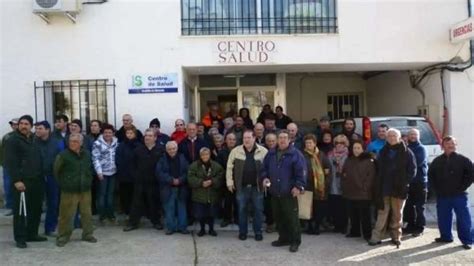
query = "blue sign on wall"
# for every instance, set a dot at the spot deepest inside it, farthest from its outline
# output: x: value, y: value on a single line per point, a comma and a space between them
x: 161, y: 83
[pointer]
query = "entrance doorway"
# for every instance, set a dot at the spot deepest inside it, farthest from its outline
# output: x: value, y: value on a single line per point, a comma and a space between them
x: 232, y: 92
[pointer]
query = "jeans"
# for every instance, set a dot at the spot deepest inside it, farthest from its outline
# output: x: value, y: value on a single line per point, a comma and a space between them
x: 445, y: 207
x: 105, y: 200
x: 175, y: 208
x: 52, y: 204
x: 244, y: 196
x: 8, y: 197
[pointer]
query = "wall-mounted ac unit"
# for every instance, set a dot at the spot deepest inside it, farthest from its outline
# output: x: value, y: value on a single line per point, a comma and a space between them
x: 57, y: 6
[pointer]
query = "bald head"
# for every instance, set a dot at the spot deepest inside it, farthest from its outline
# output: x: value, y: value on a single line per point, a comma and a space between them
x: 127, y: 120
x: 292, y: 130
x: 259, y: 129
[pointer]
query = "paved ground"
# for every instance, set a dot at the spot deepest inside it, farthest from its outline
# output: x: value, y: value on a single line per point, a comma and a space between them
x: 147, y: 246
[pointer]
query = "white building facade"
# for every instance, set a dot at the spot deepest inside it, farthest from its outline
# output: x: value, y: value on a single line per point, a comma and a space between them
x: 303, y: 55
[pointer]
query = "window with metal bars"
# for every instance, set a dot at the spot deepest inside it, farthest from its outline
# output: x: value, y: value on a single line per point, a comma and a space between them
x: 344, y: 105
x: 232, y: 17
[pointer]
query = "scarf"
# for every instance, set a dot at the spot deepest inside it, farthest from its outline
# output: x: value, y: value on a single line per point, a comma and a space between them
x: 318, y: 172
x: 339, y: 155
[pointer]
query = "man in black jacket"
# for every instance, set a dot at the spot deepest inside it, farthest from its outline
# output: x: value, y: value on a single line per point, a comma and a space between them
x: 451, y: 175
x: 127, y: 121
x: 145, y: 194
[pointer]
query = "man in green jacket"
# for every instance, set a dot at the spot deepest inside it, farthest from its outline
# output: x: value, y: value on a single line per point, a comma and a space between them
x: 24, y: 165
x: 73, y: 169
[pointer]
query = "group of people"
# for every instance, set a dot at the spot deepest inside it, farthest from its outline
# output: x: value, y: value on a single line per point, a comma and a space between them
x: 229, y: 168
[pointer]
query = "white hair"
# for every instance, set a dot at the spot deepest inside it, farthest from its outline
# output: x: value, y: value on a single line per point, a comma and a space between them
x: 396, y: 131
x: 171, y: 144
x: 78, y: 136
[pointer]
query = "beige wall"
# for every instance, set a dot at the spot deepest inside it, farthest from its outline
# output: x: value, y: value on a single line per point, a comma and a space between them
x: 309, y: 101
x: 391, y: 94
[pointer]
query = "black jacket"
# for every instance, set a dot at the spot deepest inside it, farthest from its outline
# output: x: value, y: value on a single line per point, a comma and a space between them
x: 450, y: 176
x: 124, y: 159
x: 184, y: 148
x: 145, y: 161
x: 120, y: 135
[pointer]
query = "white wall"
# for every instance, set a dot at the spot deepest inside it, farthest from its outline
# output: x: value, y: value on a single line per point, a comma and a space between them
x: 307, y: 94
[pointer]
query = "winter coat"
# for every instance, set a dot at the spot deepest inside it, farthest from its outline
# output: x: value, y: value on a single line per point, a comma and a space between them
x: 358, y: 177
x: 73, y: 171
x: 326, y: 164
x: 236, y: 162
x: 451, y: 176
x: 23, y: 159
x: 197, y: 175
x: 121, y: 136
x: 103, y: 156
x: 164, y: 176
x: 145, y: 161
x: 184, y: 148
x: 285, y: 171
x: 49, y: 149
x: 124, y: 159
x: 421, y: 156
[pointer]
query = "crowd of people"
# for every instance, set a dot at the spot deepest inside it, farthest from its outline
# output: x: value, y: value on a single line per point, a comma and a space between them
x: 229, y: 168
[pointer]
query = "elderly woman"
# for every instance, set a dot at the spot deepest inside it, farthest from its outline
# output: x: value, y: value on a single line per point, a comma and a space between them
x: 358, y: 175
x: 396, y: 169
x: 337, y: 204
x: 205, y: 178
x: 172, y: 172
x: 319, y: 167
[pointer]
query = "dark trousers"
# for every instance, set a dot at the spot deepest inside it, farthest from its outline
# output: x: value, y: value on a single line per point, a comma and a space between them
x: 359, y: 213
x: 230, y: 211
x: 320, y: 211
x: 414, y: 211
x: 94, y: 185
x: 25, y: 228
x: 285, y: 213
x: 245, y: 196
x: 126, y: 196
x: 145, y: 202
x: 52, y: 204
x: 445, y: 207
x: 338, y: 212
x: 267, y: 209
x: 205, y: 213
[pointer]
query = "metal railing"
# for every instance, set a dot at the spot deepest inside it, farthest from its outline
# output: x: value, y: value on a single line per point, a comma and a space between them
x: 241, y: 17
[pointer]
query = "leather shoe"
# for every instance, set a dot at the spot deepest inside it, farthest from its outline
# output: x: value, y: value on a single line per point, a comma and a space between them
x: 37, y: 239
x: 242, y: 237
x: 441, y: 240
x: 21, y: 245
x: 258, y: 237
x: 279, y: 243
x: 466, y: 247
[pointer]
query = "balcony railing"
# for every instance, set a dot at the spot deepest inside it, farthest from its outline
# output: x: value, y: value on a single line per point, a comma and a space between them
x: 244, y: 17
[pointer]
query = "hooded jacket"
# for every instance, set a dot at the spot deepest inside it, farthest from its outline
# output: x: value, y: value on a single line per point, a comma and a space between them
x: 103, y: 156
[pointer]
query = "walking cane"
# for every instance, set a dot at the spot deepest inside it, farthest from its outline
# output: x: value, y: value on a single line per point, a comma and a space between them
x: 23, y: 206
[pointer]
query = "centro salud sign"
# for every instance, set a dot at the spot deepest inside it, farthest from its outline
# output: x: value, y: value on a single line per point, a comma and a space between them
x: 462, y: 31
x: 160, y: 83
x: 245, y: 52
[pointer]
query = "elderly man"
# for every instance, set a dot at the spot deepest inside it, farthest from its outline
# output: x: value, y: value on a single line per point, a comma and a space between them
x: 6, y: 176
x: 73, y: 170
x: 127, y: 122
x: 259, y: 130
x: 49, y: 148
x: 146, y: 193
x: 24, y: 165
x: 414, y: 211
x: 172, y: 172
x: 242, y: 175
x: 396, y: 170
x: 451, y: 174
x: 296, y: 139
x: 284, y: 173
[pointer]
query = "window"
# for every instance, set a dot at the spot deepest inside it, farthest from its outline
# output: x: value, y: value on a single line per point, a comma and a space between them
x: 230, y: 17
x: 341, y: 106
x: 85, y: 100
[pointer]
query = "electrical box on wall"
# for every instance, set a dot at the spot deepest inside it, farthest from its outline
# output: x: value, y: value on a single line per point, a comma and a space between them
x: 431, y: 111
x: 57, y: 6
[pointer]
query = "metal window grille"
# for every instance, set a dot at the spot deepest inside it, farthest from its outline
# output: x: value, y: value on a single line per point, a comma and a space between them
x: 85, y: 100
x: 232, y: 17
x: 344, y: 105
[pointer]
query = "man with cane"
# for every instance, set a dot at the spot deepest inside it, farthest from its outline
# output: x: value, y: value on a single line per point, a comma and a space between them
x: 24, y: 164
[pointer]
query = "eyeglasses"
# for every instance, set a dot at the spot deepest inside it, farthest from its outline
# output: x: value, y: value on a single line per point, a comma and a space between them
x: 340, y: 142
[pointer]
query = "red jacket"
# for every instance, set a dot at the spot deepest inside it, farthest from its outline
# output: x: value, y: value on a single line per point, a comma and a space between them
x: 178, y: 136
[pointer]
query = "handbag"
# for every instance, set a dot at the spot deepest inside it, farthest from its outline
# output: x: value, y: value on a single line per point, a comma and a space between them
x: 305, y: 205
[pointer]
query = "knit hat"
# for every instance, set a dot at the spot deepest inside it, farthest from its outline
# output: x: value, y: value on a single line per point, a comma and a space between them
x: 27, y: 118
x: 77, y: 122
x: 155, y: 121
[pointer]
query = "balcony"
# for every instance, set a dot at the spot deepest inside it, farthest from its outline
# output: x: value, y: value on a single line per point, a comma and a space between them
x: 253, y: 17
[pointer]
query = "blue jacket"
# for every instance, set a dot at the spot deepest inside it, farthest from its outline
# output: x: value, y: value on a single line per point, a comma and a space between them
x: 162, y: 139
x: 284, y: 174
x: 165, y: 179
x: 375, y: 146
x: 421, y: 156
x: 184, y: 148
x: 49, y: 149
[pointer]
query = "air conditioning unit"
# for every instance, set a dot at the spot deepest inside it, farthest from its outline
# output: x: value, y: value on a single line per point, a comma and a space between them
x: 57, y: 6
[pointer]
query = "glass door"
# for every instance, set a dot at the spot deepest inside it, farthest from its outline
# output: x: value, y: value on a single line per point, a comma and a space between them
x: 254, y: 98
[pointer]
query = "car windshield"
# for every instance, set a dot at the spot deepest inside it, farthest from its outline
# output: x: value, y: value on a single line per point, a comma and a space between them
x: 427, y: 136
